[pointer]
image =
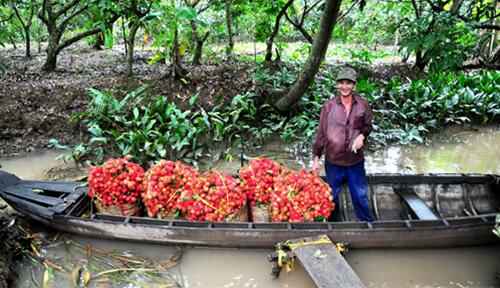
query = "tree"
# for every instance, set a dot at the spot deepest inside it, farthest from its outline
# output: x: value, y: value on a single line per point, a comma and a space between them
x: 444, y: 34
x: 57, y: 17
x: 197, y: 39
x: 229, y: 26
x: 5, y: 19
x: 311, y: 67
x: 299, y: 20
x: 274, y: 32
x: 25, y: 9
x: 136, y: 11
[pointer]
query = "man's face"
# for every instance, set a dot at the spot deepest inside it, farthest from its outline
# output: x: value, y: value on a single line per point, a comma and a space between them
x: 345, y: 87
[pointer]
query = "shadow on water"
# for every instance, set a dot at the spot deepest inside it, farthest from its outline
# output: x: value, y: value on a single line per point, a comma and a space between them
x: 454, y: 150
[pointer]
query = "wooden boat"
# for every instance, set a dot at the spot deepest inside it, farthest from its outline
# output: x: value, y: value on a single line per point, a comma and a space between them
x: 431, y: 210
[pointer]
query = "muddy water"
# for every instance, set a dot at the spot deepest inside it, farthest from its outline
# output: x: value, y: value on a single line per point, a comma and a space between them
x: 33, y: 166
x: 471, y: 150
x: 456, y: 150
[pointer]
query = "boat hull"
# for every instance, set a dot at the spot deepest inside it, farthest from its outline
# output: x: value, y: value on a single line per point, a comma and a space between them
x: 480, y: 195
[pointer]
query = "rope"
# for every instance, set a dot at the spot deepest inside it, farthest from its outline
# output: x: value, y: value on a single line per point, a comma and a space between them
x: 323, y: 239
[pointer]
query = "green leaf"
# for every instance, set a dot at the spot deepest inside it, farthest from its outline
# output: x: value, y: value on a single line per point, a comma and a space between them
x: 136, y: 113
x: 108, y: 38
x: 185, y: 13
x: 193, y: 100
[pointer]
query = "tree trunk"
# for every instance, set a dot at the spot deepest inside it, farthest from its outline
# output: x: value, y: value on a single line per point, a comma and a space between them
x: 13, y: 42
x: 124, y: 35
x: 199, y: 50
x: 51, y: 60
x: 229, y: 25
x: 494, y: 32
x: 311, y: 67
x: 178, y: 72
x: 130, y: 46
x: 198, y: 43
x: 52, y: 51
x: 276, y: 29
x: 420, y: 62
x: 27, y: 38
x: 100, y: 37
x: 195, y: 39
x: 99, y: 41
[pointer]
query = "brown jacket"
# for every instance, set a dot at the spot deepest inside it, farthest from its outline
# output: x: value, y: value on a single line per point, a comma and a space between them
x: 336, y: 132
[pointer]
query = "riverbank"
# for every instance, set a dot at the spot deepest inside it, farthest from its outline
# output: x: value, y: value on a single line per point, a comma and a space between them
x: 36, y: 107
x: 15, y: 242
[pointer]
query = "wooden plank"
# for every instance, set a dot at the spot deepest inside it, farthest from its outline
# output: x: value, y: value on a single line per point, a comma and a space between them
x: 27, y: 194
x: 416, y: 204
x: 7, y: 179
x: 61, y: 187
x: 326, y: 266
x: 27, y: 207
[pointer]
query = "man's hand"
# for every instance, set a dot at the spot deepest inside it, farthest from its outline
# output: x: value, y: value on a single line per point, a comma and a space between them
x: 358, y: 143
x: 315, y: 165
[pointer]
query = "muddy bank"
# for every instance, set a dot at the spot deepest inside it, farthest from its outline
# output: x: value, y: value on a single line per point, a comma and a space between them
x: 36, y: 106
x: 15, y: 241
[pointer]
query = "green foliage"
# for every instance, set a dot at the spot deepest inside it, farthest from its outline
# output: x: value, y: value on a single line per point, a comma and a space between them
x: 375, y: 24
x: 150, y: 128
x: 145, y: 128
x: 405, y: 112
x: 445, y: 41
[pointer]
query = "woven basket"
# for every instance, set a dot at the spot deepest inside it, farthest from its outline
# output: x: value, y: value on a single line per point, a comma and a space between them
x: 121, y: 210
x: 240, y: 216
x: 260, y: 214
x: 168, y: 216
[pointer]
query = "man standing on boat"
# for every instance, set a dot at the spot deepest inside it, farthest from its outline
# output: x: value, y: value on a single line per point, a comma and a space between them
x: 344, y: 125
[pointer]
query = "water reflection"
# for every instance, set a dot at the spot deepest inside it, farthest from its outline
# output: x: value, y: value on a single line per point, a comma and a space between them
x: 456, y: 150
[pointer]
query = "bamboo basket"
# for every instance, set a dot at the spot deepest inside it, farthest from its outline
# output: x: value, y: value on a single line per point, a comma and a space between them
x: 240, y: 216
x: 261, y: 214
x: 121, y: 210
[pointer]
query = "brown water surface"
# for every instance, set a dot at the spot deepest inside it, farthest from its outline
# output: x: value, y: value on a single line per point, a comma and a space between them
x: 453, y: 150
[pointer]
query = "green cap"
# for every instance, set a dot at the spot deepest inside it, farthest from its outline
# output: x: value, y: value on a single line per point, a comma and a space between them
x: 347, y: 73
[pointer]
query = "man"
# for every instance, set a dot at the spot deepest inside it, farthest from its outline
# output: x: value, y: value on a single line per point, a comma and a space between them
x: 344, y: 125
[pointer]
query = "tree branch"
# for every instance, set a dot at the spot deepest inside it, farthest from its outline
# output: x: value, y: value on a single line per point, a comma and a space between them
x: 41, y: 13
x: 205, y: 36
x: 300, y: 27
x: 73, y: 15
x: 77, y: 38
x: 66, y: 7
x: 87, y: 33
x: 275, y: 30
x: 206, y: 7
x: 7, y: 18
x: 416, y: 8
x: 312, y: 7
x: 439, y: 9
x: 18, y: 15
x: 455, y: 7
x: 487, y: 26
x: 490, y: 66
x: 341, y: 17
x: 32, y: 12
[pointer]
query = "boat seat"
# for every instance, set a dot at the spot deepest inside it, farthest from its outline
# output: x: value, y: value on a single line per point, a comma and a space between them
x: 416, y: 204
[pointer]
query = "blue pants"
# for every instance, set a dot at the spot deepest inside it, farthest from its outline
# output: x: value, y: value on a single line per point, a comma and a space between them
x: 358, y: 186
